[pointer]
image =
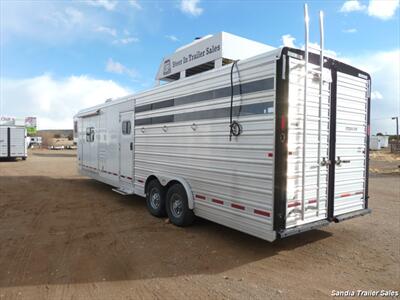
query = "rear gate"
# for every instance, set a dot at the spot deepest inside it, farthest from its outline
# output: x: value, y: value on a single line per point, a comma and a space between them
x: 314, y: 205
x: 336, y: 151
x: 351, y: 139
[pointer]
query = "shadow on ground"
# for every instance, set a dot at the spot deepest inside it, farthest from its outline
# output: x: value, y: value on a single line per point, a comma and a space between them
x: 63, y: 154
x: 58, y: 231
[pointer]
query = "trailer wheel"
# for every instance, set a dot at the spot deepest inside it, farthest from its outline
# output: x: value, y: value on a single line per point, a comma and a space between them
x: 155, y: 198
x: 177, y: 206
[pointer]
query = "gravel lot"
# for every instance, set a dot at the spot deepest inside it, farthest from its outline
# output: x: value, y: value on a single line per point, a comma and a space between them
x: 63, y: 236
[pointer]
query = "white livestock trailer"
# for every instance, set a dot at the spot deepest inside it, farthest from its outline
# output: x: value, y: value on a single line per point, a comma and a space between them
x: 13, y: 138
x: 239, y: 137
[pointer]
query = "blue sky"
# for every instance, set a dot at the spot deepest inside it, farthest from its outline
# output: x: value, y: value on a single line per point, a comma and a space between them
x: 60, y: 56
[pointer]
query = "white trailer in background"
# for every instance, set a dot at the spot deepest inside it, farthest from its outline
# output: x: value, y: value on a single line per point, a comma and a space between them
x: 383, y: 140
x: 13, y: 143
x: 250, y: 144
x: 375, y: 143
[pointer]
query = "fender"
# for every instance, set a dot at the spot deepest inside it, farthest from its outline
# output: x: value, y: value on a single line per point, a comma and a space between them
x: 166, y: 179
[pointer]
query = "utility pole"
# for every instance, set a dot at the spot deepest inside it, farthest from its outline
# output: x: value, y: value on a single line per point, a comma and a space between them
x: 397, y: 131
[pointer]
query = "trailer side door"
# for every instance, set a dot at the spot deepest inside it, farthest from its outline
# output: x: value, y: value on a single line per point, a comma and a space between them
x: 126, y: 144
x: 17, y: 142
x: 3, y: 141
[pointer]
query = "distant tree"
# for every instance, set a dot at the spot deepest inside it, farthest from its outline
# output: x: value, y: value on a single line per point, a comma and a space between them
x: 380, y: 134
x: 57, y: 136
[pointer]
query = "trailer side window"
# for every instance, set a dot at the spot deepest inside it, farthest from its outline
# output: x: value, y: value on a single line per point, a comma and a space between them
x: 126, y: 127
x: 90, y: 134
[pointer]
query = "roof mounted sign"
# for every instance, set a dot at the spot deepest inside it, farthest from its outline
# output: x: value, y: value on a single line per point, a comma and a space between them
x: 207, y: 53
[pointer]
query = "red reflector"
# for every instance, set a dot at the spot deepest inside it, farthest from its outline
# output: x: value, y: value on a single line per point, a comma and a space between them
x: 141, y: 181
x: 283, y: 122
x: 345, y: 195
x: 237, y: 206
x: 262, y: 212
x: 312, y: 201
x: 293, y: 204
x: 217, y: 201
x: 201, y: 197
x: 129, y: 178
x: 270, y: 154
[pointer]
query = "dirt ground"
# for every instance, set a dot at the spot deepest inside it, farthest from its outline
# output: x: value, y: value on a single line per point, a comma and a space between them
x: 63, y: 236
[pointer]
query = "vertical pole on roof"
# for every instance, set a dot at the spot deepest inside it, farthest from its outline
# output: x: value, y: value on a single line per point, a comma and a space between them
x: 321, y: 86
x: 306, y: 21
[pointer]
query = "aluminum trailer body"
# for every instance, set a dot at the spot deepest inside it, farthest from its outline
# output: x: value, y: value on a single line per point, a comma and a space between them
x: 179, y: 134
x: 13, y: 142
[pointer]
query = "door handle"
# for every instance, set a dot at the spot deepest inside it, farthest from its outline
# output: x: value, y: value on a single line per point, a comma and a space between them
x: 325, y: 162
x: 339, y: 161
x: 131, y: 146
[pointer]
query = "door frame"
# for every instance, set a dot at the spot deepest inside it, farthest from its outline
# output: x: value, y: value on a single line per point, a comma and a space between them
x: 281, y: 134
x: 125, y: 181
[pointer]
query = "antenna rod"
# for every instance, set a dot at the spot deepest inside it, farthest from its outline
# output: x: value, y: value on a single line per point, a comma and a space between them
x: 321, y: 88
x: 321, y: 36
x: 306, y: 21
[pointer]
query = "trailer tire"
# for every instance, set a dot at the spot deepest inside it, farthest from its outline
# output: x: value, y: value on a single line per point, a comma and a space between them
x: 177, y: 206
x: 155, y: 198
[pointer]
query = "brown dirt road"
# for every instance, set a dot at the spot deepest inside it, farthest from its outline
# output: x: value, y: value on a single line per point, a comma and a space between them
x: 63, y: 236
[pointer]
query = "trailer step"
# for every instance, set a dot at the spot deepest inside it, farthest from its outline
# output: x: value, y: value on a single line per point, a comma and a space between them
x: 351, y: 215
x: 302, y: 228
x: 123, y: 192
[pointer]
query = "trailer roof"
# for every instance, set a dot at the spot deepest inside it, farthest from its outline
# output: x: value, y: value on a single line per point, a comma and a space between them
x: 163, y: 87
x: 276, y: 53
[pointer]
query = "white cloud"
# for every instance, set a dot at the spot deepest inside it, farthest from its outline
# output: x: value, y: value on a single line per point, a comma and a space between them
x: 57, y: 23
x: 55, y: 101
x: 172, y: 38
x: 350, y: 30
x: 288, y: 40
x: 118, y: 68
x: 191, y: 7
x: 352, y: 5
x: 107, y: 30
x: 107, y: 4
x: 327, y: 52
x: 376, y: 95
x: 125, y: 41
x: 384, y: 68
x: 67, y: 18
x: 382, y: 9
x: 135, y: 4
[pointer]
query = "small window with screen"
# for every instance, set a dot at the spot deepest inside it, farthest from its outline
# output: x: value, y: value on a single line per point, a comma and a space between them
x: 92, y: 134
x: 88, y: 134
x: 126, y: 127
